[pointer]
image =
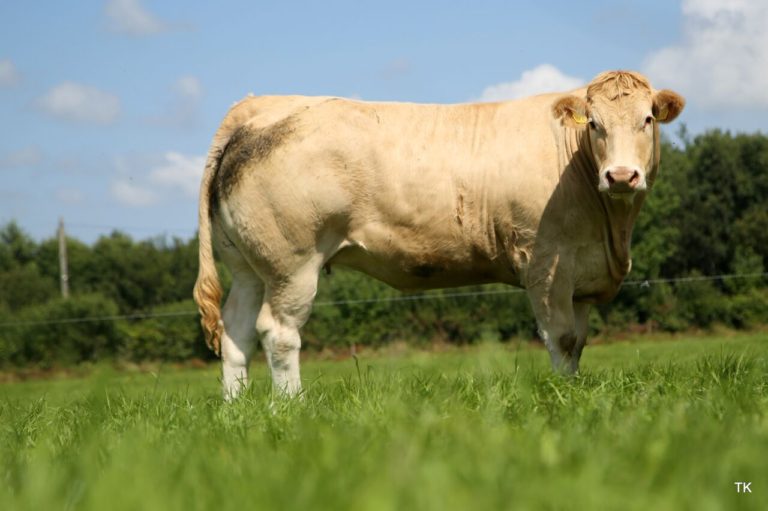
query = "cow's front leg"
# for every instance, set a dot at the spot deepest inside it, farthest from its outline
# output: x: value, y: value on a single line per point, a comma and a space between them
x: 581, y: 323
x: 554, y: 310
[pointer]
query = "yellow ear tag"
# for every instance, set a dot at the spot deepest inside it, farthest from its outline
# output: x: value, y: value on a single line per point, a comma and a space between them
x: 579, y: 118
x: 662, y: 115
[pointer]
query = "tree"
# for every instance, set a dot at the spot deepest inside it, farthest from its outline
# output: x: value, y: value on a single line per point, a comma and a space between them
x: 21, y: 282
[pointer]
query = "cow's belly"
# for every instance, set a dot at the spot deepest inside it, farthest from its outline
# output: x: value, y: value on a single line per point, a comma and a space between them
x: 413, y: 271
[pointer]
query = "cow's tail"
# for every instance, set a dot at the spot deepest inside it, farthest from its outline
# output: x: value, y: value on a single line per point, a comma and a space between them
x: 207, y: 290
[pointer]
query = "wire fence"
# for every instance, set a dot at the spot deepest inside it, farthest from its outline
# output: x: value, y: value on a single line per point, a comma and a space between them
x: 646, y: 283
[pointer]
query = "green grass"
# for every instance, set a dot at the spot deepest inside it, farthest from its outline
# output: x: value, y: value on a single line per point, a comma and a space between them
x: 664, y: 425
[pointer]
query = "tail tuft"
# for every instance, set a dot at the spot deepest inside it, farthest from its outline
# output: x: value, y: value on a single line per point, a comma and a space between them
x: 208, y: 294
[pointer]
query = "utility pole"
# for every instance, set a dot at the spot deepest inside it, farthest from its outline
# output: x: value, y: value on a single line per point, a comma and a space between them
x: 63, y: 265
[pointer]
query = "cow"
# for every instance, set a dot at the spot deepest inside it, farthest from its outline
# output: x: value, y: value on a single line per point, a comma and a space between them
x: 540, y: 193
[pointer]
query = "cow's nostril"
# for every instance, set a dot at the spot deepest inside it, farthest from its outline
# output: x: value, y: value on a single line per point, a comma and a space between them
x: 623, y: 179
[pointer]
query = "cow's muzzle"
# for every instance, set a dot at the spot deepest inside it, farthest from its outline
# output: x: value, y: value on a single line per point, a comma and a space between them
x: 621, y: 180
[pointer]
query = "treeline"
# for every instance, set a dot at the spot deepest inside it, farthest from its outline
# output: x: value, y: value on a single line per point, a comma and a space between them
x: 706, y: 217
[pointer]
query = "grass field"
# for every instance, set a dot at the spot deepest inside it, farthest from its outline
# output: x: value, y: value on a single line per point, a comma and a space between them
x: 646, y: 426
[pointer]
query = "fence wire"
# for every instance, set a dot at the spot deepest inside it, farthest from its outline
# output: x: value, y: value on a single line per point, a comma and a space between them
x: 643, y: 283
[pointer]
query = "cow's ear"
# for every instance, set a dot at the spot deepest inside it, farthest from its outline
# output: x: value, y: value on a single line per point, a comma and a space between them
x: 667, y: 105
x: 571, y: 110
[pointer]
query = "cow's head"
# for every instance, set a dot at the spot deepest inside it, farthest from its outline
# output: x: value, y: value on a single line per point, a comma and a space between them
x: 621, y: 112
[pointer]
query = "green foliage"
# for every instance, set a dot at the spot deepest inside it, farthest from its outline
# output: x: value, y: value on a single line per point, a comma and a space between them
x: 37, y: 337
x: 23, y: 286
x: 147, y: 264
x: 88, y: 327
x: 21, y: 282
x: 662, y: 426
x: 748, y: 309
x: 16, y: 247
x: 722, y: 202
x: 174, y: 335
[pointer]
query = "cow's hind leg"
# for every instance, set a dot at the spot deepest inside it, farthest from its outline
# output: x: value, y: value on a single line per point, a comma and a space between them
x: 239, y: 337
x: 287, y: 304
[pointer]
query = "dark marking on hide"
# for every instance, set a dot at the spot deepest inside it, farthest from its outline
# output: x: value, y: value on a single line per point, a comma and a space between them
x: 247, y: 145
x: 567, y: 342
x: 460, y: 210
x: 425, y: 271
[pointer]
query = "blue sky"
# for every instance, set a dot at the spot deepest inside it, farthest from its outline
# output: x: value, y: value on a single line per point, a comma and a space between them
x: 108, y: 106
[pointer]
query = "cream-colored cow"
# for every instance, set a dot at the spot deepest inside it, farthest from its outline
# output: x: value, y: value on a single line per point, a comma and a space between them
x: 540, y: 193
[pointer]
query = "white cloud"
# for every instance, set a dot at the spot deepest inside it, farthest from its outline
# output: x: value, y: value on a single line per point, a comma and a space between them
x: 722, y: 60
x: 9, y: 76
x: 131, y: 194
x: 539, y: 80
x: 179, y: 171
x: 144, y: 180
x: 83, y: 103
x: 131, y: 18
x: 188, y: 87
x: 23, y: 157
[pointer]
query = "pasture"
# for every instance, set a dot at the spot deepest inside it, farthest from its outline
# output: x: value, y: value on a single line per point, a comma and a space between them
x: 647, y: 425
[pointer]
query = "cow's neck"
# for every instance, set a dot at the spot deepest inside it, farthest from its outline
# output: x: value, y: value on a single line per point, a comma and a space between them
x: 618, y: 215
x: 620, y: 220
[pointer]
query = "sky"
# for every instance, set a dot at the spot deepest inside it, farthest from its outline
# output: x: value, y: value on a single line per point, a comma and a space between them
x: 108, y: 106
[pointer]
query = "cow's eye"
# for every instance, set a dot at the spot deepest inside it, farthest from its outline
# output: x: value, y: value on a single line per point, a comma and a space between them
x: 649, y: 120
x: 592, y: 124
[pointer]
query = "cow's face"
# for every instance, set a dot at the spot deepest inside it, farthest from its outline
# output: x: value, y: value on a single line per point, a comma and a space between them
x: 622, y: 124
